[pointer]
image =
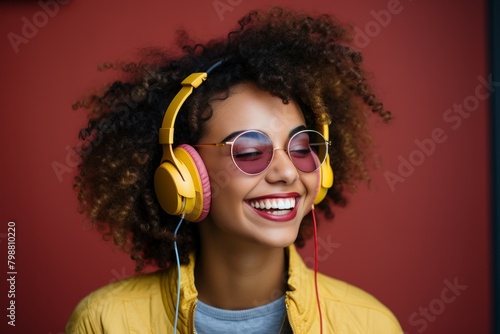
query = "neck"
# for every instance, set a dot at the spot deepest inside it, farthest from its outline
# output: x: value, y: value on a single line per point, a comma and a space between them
x: 241, y: 278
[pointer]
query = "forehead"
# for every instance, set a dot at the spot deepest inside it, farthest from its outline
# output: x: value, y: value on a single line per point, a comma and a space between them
x: 248, y: 107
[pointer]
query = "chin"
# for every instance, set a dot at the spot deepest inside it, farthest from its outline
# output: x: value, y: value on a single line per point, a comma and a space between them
x: 280, y: 240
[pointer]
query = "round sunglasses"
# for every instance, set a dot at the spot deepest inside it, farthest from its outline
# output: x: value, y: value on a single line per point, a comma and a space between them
x: 252, y: 151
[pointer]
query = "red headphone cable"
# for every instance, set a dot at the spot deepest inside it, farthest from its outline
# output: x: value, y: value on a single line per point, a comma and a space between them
x: 316, y: 269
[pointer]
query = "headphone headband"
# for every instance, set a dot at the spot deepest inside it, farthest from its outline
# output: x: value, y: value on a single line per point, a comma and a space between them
x: 194, y: 80
x: 166, y: 133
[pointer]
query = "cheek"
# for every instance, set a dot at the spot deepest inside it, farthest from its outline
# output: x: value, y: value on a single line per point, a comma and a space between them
x: 228, y: 200
x: 312, y: 182
x: 220, y: 169
x: 222, y: 174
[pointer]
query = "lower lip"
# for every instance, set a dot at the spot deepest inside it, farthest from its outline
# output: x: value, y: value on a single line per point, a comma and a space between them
x: 278, y: 218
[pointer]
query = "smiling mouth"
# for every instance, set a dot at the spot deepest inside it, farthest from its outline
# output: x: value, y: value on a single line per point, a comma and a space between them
x: 279, y: 207
x: 275, y: 206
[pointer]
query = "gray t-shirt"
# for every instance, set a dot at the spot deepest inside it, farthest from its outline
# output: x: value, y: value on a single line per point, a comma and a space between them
x: 262, y: 319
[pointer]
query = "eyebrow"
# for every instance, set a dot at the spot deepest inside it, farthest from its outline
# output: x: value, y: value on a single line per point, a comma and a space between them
x: 231, y: 136
x: 297, y: 129
x: 290, y: 134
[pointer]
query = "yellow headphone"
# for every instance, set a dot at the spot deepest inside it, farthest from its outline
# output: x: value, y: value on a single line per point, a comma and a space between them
x: 182, y: 184
x: 325, y: 170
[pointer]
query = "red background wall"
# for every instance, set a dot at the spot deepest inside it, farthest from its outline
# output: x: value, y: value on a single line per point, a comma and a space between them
x: 406, y: 244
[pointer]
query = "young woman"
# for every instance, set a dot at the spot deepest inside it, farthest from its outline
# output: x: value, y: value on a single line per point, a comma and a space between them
x: 208, y: 166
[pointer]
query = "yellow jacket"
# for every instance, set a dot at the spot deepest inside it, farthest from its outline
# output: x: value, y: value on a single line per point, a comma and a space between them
x: 146, y: 304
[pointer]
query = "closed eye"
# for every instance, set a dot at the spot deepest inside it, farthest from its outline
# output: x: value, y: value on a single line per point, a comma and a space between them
x: 248, y: 155
x: 300, y: 152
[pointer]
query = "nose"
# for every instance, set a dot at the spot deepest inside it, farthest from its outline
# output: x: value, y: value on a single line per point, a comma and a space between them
x: 282, y: 168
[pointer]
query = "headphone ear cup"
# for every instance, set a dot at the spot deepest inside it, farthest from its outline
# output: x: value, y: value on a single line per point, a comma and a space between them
x: 326, y: 178
x: 184, y: 188
x: 172, y: 188
x: 201, y: 184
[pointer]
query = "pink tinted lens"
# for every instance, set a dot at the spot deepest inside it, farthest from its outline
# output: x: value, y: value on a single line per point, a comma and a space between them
x: 252, y: 152
x: 307, y: 150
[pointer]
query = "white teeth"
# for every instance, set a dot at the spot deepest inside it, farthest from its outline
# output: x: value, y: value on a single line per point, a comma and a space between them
x: 272, y: 203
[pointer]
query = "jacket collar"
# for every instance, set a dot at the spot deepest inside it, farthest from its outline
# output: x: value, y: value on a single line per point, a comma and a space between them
x: 188, y: 295
x: 300, y: 297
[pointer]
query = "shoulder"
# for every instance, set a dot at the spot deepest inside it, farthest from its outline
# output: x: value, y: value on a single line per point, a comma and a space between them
x: 132, y: 288
x: 356, y: 306
x: 346, y: 308
x: 116, y: 305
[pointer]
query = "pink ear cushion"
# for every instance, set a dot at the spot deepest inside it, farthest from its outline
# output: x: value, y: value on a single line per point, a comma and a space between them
x: 205, y: 180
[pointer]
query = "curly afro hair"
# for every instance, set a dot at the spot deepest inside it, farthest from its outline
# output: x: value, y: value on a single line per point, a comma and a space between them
x: 291, y: 55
